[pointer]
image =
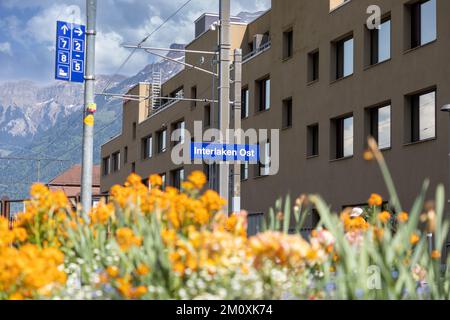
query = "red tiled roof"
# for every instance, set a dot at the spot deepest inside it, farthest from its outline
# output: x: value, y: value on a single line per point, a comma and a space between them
x: 72, y: 177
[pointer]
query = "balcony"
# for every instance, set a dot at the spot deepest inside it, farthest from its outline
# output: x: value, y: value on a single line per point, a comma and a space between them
x: 263, y: 48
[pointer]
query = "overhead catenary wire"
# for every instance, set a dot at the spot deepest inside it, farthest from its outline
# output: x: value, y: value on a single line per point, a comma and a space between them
x: 108, y: 84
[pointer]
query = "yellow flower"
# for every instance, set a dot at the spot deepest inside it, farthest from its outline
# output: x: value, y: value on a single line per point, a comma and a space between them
x: 384, y: 217
x: 198, y: 179
x: 187, y: 186
x: 403, y: 217
x: 155, y: 180
x: 375, y: 200
x: 414, y: 239
x: 16, y: 296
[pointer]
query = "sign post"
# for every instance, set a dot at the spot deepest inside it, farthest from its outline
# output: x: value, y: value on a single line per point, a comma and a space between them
x: 70, y: 52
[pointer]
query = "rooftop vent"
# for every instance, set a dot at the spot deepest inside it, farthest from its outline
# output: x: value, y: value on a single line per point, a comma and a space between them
x: 203, y: 23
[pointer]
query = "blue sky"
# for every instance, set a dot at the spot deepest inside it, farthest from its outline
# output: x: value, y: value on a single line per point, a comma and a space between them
x: 27, y: 36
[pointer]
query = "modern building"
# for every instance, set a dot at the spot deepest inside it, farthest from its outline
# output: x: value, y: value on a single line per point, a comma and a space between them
x: 314, y: 70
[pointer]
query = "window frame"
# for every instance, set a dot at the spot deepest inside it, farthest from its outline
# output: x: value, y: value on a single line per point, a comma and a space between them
x: 106, y: 166
x: 338, y: 137
x: 415, y: 27
x: 340, y: 57
x: 115, y: 162
x: 412, y: 116
x: 147, y: 148
x: 313, y: 143
x: 287, y: 113
x: 313, y: 66
x: 374, y: 43
x: 161, y: 142
x: 373, y: 123
x: 245, y: 102
x: 288, y: 44
x: 264, y: 95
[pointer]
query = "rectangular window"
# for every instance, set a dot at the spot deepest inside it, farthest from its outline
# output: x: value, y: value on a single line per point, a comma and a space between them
x: 116, y: 161
x: 380, y: 126
x: 288, y: 44
x: 264, y: 94
x: 380, y: 43
x: 343, y: 130
x: 423, y: 23
x: 287, y: 113
x: 344, y: 58
x: 180, y: 125
x: 337, y: 3
x: 133, y: 167
x: 163, y: 178
x: 313, y: 66
x: 254, y: 223
x: 264, y: 163
x: 134, y: 130
x: 245, y: 103
x: 177, y: 178
x: 422, y: 114
x: 207, y: 116
x: 147, y: 147
x: 125, y: 155
x: 105, y: 165
x: 194, y: 96
x: 162, y: 141
x: 244, y: 170
x: 313, y: 140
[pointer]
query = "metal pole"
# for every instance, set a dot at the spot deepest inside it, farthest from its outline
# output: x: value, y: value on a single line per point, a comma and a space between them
x: 89, y: 99
x: 237, y: 127
x: 224, y: 91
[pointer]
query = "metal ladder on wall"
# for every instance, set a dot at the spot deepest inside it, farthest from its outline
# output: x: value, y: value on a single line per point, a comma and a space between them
x: 156, y: 90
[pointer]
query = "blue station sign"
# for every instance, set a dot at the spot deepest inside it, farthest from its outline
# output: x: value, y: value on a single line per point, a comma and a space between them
x: 224, y: 152
x: 70, y: 51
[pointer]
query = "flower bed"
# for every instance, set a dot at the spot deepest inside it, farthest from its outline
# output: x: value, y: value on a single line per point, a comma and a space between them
x: 148, y: 243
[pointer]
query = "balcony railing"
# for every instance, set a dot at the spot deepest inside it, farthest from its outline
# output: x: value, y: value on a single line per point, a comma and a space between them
x: 261, y: 49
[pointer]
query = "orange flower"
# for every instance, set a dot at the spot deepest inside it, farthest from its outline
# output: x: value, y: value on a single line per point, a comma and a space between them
x: 198, y: 179
x: 138, y: 292
x: 142, y: 270
x: 126, y: 238
x: 155, y: 180
x: 375, y: 200
x: 384, y: 216
x: 112, y: 271
x: 435, y: 255
x: 368, y: 155
x: 403, y: 217
x: 414, y: 239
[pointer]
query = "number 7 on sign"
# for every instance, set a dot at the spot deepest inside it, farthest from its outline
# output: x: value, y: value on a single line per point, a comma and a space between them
x: 64, y: 43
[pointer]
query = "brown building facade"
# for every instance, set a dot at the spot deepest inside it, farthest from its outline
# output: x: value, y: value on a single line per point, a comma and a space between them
x: 314, y: 70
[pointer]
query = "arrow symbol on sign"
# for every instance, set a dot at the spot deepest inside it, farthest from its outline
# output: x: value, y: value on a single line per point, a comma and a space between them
x: 64, y: 29
x: 78, y: 32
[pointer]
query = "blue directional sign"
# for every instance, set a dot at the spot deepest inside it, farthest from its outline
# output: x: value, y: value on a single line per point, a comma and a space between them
x: 70, y: 49
x: 224, y: 152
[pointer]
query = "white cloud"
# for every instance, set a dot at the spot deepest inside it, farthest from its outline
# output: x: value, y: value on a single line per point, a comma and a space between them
x: 42, y: 27
x: 110, y: 55
x: 5, y: 47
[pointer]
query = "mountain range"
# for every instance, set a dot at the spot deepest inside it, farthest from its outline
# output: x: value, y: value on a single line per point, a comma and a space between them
x: 45, y: 122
